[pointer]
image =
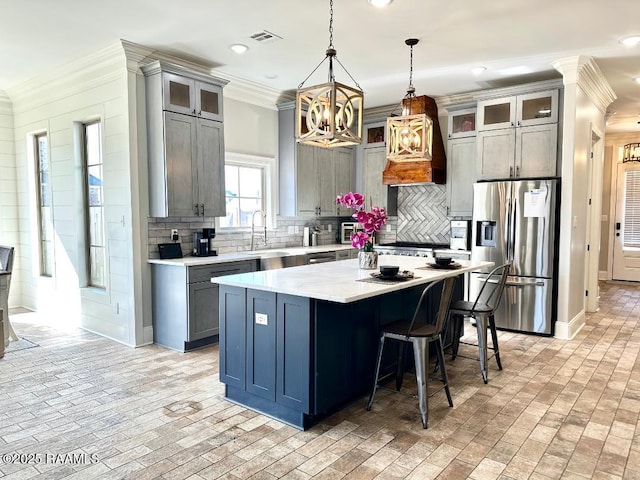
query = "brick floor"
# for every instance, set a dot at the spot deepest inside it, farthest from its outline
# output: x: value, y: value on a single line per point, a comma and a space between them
x: 559, y: 409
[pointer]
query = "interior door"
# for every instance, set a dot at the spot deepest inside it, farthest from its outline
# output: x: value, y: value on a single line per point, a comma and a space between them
x: 626, y: 242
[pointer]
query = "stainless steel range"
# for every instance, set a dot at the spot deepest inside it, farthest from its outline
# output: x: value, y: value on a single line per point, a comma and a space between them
x: 410, y: 249
x: 426, y: 250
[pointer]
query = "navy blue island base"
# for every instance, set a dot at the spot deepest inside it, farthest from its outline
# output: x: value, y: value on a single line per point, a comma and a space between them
x: 300, y: 359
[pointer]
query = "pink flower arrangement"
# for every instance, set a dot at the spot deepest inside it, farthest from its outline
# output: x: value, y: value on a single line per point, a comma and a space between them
x: 372, y: 221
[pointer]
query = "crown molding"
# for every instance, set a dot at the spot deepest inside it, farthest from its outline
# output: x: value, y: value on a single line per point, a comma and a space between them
x: 88, y: 72
x: 250, y: 92
x: 584, y: 72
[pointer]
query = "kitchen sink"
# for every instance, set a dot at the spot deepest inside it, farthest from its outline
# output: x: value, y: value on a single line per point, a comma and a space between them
x: 284, y: 260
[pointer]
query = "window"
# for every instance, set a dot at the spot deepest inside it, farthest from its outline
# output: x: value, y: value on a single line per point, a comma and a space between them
x: 244, y: 194
x: 94, y: 205
x: 631, y: 233
x: 45, y: 209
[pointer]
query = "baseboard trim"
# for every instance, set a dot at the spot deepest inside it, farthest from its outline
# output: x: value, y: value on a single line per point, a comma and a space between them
x: 568, y: 330
x: 147, y: 336
x: 603, y: 275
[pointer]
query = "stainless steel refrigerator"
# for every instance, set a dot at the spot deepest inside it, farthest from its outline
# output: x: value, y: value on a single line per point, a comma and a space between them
x: 517, y: 221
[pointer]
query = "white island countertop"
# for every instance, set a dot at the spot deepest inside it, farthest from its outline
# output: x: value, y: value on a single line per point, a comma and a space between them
x: 338, y: 281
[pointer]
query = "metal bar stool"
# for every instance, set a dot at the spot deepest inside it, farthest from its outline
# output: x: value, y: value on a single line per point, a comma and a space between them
x: 482, y: 310
x: 420, y: 335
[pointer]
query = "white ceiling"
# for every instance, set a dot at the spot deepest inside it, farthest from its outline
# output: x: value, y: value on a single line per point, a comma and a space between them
x: 455, y: 35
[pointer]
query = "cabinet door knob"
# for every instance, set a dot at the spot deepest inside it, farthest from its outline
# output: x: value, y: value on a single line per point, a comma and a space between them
x: 518, y: 122
x: 512, y: 124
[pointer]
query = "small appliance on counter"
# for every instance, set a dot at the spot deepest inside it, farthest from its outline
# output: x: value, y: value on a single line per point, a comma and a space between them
x: 169, y: 250
x: 347, y: 229
x: 210, y: 234
x: 203, y: 243
x: 460, y: 235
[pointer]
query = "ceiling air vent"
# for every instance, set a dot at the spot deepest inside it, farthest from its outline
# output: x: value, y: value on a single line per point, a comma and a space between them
x: 265, y: 37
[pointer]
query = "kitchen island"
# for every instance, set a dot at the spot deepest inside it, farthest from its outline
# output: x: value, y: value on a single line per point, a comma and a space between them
x: 299, y: 343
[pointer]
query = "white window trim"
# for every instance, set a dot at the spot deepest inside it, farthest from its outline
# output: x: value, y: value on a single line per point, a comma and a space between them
x: 270, y: 186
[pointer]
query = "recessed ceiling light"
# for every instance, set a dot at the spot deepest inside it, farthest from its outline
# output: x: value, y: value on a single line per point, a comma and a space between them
x: 478, y: 70
x: 631, y: 41
x: 271, y: 76
x: 637, y: 79
x: 239, y: 48
x: 380, y: 3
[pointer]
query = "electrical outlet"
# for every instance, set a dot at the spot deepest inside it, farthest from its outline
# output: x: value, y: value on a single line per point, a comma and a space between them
x: 328, y: 227
x: 174, y: 234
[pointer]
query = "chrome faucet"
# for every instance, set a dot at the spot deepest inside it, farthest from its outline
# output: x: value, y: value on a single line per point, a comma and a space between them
x: 264, y: 223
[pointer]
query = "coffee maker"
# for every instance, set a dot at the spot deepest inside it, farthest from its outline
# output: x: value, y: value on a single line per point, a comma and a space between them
x: 210, y: 234
x: 203, y: 243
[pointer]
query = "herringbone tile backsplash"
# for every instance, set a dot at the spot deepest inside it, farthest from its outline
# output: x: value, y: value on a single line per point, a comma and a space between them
x: 422, y: 214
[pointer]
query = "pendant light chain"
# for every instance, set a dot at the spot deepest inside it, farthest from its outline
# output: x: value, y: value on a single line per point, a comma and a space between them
x: 330, y: 23
x: 411, y: 67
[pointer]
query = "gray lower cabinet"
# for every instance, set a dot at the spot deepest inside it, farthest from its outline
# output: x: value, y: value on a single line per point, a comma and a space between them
x: 185, y: 302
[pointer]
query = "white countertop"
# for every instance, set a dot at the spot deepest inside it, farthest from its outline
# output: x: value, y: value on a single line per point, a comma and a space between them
x: 248, y: 255
x: 337, y: 281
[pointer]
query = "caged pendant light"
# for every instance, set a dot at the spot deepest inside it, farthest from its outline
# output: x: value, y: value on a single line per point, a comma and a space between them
x: 410, y: 135
x: 631, y: 153
x: 329, y: 114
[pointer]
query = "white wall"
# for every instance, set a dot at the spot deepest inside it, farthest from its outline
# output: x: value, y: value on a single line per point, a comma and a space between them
x: 250, y: 129
x: 9, y: 225
x: 586, y: 95
x: 92, y: 88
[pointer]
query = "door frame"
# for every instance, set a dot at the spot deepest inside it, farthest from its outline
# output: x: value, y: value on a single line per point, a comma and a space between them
x: 596, y: 153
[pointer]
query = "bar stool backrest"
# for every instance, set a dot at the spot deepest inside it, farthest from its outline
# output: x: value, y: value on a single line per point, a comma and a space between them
x: 493, y: 286
x: 6, y: 259
x: 443, y: 309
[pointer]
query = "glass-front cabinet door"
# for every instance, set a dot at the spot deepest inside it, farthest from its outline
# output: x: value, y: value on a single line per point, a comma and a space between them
x: 178, y: 94
x: 462, y: 123
x: 208, y: 101
x: 191, y: 97
x: 537, y: 108
x: 496, y: 113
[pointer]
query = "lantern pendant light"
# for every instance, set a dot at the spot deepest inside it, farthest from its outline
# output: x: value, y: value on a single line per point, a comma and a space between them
x: 410, y: 135
x: 329, y: 114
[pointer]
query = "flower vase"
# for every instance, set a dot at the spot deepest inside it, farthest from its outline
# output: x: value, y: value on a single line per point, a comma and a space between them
x: 368, y: 260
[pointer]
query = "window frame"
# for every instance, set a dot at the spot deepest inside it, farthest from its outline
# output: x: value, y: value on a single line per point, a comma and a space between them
x: 269, y: 186
x: 87, y: 207
x: 42, y: 267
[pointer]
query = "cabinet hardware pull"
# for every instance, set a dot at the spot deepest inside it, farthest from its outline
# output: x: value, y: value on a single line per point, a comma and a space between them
x: 200, y: 113
x: 512, y: 124
x: 518, y: 122
x: 194, y: 111
x: 517, y: 170
x: 510, y: 172
x: 195, y: 209
x: 202, y: 209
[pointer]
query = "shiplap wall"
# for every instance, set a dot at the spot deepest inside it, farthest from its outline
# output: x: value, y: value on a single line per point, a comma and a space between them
x: 94, y: 88
x: 9, y: 226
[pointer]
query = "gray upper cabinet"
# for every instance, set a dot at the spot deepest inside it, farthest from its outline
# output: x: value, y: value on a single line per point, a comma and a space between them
x: 462, y: 123
x: 344, y: 177
x: 461, y: 175
x: 310, y: 177
x: 185, y: 137
x: 373, y: 162
x: 518, y: 136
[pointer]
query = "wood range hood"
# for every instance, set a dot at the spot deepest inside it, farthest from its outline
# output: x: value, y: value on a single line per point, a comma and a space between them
x: 420, y: 170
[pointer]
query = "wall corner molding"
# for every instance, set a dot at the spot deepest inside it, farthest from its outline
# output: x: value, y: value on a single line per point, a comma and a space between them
x: 6, y: 107
x: 584, y: 72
